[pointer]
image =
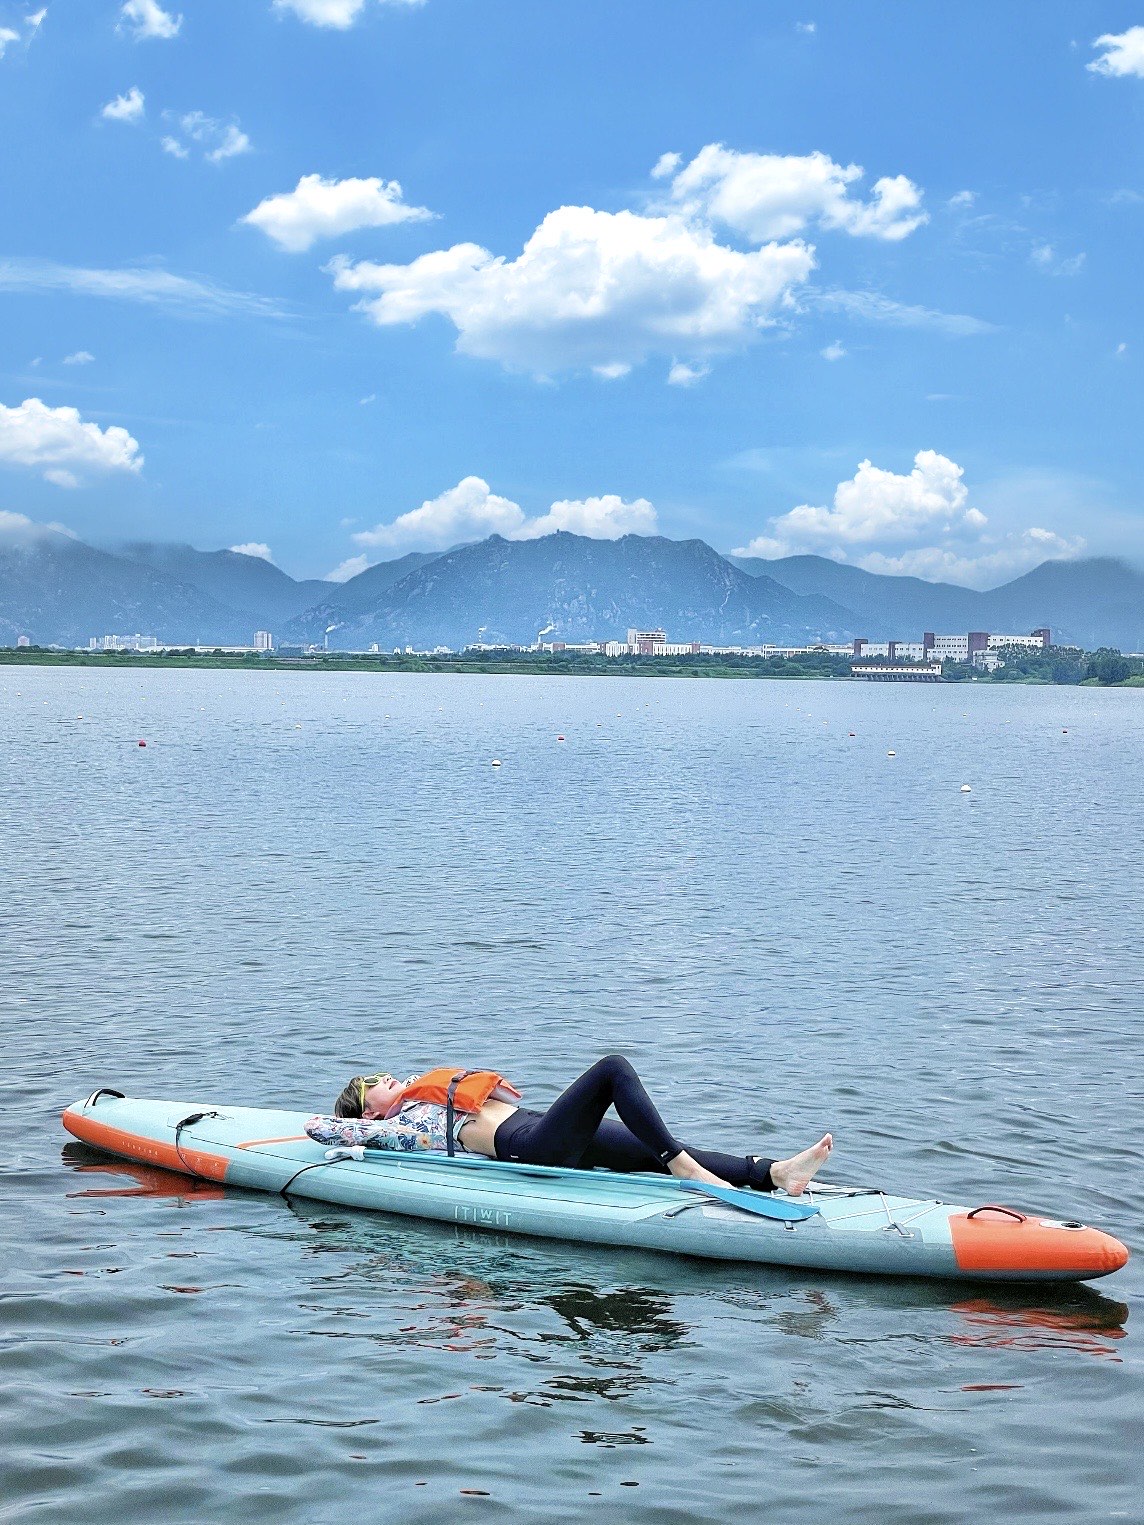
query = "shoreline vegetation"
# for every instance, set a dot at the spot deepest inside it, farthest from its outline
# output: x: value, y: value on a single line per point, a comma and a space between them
x: 1054, y: 665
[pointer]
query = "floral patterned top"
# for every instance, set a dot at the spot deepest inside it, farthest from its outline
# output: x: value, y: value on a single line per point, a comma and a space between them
x: 419, y: 1125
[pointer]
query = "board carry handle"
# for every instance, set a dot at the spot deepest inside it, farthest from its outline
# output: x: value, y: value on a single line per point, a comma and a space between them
x: 995, y: 1207
x: 103, y: 1091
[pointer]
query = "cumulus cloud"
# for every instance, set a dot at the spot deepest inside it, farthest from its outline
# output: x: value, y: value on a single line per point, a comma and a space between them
x: 347, y: 569
x: 764, y: 196
x: 179, y: 293
x: 604, y: 291
x: 339, y: 14
x: 878, y: 505
x: 919, y: 523
x: 471, y: 511
x: 253, y: 548
x: 604, y: 518
x: 218, y: 140
x: 58, y: 440
x: 146, y: 18
x: 318, y: 208
x: 1123, y: 53
x: 79, y: 357
x: 128, y: 107
x: 590, y: 289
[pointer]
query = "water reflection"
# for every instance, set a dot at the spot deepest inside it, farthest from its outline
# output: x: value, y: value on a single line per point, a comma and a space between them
x: 1084, y: 1321
x: 150, y: 1180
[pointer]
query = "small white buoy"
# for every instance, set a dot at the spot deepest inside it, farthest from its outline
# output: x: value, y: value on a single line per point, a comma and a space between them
x: 496, y: 762
x: 965, y: 789
x: 891, y: 754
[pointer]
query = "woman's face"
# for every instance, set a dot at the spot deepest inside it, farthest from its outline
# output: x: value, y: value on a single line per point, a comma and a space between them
x: 380, y: 1097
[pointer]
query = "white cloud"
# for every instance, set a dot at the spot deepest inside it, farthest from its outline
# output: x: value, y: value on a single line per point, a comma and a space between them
x: 1122, y: 348
x: 962, y: 199
x: 1123, y: 53
x: 253, y: 548
x: 764, y: 196
x: 873, y: 307
x: 880, y: 505
x: 1044, y: 257
x: 318, y: 208
x: 665, y: 166
x: 807, y: 28
x: 146, y: 18
x: 125, y: 108
x: 347, y: 569
x: 471, y: 511
x: 218, y: 140
x: 683, y: 374
x: 589, y: 289
x: 58, y: 439
x: 1009, y: 556
x: 919, y: 524
x: 834, y: 351
x: 340, y: 14
x: 61, y: 478
x: 604, y: 518
x: 7, y: 35
x: 152, y: 286
x: 35, y: 18
x: 21, y: 529
x: 80, y: 357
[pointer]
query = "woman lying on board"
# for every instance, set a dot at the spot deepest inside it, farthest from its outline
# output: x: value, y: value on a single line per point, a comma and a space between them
x: 475, y: 1111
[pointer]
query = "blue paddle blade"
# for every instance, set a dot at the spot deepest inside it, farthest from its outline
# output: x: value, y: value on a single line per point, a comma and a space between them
x: 755, y: 1202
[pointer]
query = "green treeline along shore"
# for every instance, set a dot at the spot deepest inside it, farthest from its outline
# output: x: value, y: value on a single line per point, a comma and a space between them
x: 1055, y: 664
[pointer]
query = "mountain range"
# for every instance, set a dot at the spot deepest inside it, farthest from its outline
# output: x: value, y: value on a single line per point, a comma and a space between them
x: 59, y: 590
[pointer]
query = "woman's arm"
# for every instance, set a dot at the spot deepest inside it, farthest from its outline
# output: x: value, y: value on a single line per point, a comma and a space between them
x: 373, y: 1134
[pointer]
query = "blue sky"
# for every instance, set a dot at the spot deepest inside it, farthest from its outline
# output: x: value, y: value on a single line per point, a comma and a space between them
x: 344, y: 278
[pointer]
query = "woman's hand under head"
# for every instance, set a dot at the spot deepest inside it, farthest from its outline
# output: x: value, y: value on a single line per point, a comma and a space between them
x: 380, y: 1097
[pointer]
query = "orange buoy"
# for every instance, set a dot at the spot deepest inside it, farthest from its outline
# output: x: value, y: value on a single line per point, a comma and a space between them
x: 142, y: 743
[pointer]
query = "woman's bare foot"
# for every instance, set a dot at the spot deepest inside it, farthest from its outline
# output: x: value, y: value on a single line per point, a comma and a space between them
x: 684, y: 1168
x: 794, y: 1175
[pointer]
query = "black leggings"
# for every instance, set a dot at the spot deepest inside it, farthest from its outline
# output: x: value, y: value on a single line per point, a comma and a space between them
x: 574, y: 1132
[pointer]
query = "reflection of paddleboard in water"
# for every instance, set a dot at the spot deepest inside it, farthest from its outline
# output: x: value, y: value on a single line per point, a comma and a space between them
x: 830, y: 1228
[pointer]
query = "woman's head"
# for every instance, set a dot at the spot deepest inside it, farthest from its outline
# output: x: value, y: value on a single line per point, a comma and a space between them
x: 367, y: 1096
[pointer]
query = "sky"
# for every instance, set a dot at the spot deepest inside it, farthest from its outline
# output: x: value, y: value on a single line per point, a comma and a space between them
x: 332, y: 280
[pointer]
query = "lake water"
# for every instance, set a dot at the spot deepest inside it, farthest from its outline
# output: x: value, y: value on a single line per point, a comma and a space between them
x: 785, y: 929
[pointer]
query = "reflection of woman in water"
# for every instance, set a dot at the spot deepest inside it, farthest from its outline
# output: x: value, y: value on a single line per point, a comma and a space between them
x: 573, y: 1131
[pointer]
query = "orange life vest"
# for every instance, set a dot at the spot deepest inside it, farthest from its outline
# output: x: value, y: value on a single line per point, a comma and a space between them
x: 458, y: 1090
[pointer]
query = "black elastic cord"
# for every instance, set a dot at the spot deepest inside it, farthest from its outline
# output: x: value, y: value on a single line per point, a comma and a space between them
x: 314, y: 1165
x: 188, y: 1122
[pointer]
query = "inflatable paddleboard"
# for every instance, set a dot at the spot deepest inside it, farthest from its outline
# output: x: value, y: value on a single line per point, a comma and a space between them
x: 829, y: 1228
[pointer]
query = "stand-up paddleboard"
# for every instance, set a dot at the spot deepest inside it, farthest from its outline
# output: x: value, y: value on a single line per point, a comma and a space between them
x: 829, y: 1228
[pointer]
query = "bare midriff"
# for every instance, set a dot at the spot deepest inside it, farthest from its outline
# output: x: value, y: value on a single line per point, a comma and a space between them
x: 478, y: 1133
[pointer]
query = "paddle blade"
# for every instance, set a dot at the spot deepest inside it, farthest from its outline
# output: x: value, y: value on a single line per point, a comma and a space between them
x: 755, y: 1202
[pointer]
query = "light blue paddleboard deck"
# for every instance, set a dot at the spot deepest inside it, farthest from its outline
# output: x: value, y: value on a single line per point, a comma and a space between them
x: 829, y: 1228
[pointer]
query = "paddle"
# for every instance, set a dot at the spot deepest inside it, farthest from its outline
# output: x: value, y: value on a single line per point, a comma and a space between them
x: 754, y: 1202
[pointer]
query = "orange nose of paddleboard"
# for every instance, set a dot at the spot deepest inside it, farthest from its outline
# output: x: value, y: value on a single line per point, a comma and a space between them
x: 1002, y: 1240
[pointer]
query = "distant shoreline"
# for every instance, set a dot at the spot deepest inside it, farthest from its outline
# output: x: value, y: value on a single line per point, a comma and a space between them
x: 813, y: 665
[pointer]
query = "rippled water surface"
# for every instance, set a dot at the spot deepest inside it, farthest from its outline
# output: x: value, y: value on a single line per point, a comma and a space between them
x: 785, y: 928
